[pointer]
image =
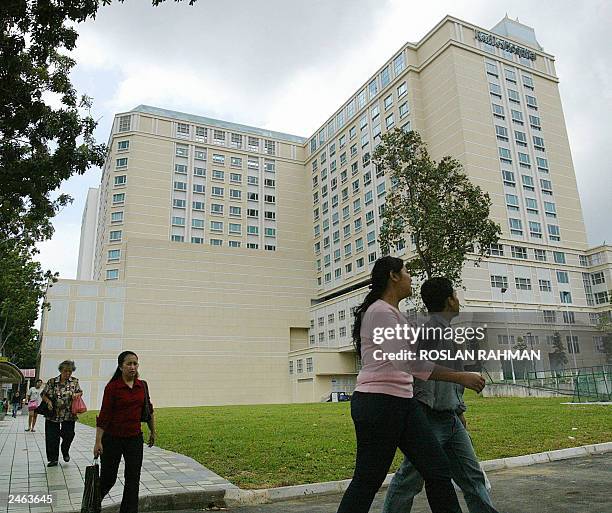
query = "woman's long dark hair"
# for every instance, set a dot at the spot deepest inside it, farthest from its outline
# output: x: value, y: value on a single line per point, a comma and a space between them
x: 120, y: 359
x: 380, y: 277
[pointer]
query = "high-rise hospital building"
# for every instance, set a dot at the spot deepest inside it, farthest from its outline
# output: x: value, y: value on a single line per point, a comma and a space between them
x: 230, y: 258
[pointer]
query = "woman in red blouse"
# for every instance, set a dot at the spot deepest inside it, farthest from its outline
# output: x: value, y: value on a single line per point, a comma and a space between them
x: 118, y: 430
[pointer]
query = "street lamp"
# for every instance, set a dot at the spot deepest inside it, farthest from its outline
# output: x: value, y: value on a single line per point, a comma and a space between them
x: 571, y: 344
x: 528, y: 334
x: 503, y: 291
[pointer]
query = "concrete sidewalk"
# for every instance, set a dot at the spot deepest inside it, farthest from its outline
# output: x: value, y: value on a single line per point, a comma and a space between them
x: 23, y: 471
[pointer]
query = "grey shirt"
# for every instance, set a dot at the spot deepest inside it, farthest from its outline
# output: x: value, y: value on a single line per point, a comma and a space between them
x: 440, y: 395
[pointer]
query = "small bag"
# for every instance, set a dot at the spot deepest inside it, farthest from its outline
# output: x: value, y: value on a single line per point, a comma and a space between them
x: 32, y: 405
x: 145, y: 416
x: 44, y: 409
x: 78, y: 406
x: 92, y: 499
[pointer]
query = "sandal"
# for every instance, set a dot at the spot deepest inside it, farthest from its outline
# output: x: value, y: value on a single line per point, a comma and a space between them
x: 28, y: 429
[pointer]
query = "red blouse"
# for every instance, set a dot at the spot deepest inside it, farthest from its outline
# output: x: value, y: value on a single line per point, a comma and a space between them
x: 122, y: 408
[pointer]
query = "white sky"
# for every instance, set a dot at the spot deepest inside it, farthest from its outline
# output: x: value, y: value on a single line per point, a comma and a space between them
x: 287, y: 65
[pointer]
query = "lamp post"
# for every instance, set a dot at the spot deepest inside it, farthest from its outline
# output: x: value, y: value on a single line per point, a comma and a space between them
x: 503, y: 291
x: 569, y: 326
x: 528, y: 334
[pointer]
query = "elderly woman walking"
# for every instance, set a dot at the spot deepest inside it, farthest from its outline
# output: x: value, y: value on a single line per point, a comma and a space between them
x: 59, y: 393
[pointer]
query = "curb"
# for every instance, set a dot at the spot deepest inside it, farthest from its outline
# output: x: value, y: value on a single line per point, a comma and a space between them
x: 173, y: 501
x: 238, y: 497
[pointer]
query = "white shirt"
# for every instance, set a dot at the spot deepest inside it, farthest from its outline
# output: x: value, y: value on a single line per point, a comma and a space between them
x: 34, y: 394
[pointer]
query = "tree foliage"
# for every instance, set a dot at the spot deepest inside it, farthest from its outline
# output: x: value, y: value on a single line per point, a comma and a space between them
x: 559, y: 348
x: 605, y: 327
x: 23, y: 286
x: 435, y: 202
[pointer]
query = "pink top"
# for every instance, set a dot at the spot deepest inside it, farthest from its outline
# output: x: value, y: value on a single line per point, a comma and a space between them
x: 392, y: 377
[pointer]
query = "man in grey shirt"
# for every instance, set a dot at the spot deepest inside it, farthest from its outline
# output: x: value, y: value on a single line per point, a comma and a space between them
x: 444, y: 407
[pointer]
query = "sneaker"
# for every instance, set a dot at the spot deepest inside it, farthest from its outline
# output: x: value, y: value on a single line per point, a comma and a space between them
x: 52, y: 464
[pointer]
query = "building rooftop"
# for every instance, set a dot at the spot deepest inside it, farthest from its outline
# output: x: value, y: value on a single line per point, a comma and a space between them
x: 202, y: 120
x: 516, y: 30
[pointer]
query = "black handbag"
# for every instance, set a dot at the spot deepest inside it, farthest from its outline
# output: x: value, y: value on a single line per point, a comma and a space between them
x: 145, y: 416
x: 92, y: 499
x: 44, y: 409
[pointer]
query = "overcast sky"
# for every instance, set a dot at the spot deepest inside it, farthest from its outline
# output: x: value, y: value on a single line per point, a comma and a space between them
x: 287, y: 65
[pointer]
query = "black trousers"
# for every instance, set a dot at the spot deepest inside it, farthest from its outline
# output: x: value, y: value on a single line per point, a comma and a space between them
x: 53, y: 432
x: 382, y: 424
x: 131, y: 449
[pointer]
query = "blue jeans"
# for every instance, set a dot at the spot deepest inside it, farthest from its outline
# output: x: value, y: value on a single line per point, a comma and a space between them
x: 464, y: 466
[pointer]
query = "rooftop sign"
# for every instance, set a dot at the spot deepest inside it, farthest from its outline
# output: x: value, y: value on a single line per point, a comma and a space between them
x: 504, y: 45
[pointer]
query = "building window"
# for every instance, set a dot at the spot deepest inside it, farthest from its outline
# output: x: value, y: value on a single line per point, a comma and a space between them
x: 497, y: 250
x: 550, y: 316
x: 125, y: 123
x: 182, y: 130
x: 181, y: 169
x: 216, y: 226
x: 399, y: 63
x: 216, y: 242
x: 199, y: 171
x: 562, y: 277
x: 538, y: 143
x: 522, y: 283
x: 545, y: 285
x: 120, y: 180
x: 113, y: 255
x: 118, y: 198
x: 112, y: 274
x: 116, y: 217
x: 115, y: 236
x: 531, y: 204
x: 519, y: 252
x: 505, y: 155
x: 180, y: 186
x: 516, y: 226
x: 535, y: 229
x: 508, y: 177
x: 499, y: 282
x: 512, y: 202
x: 573, y: 345
x: 178, y: 221
x: 559, y: 257
x: 601, y: 298
x: 565, y: 296
x: 540, y: 255
x: 201, y: 133
x: 199, y: 188
x: 498, y: 111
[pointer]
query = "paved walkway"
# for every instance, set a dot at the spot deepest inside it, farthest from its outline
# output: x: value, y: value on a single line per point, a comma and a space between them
x: 23, y: 470
x: 580, y: 485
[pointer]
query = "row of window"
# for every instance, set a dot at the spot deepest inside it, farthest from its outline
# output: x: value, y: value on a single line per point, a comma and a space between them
x: 217, y: 226
x: 299, y: 366
x: 220, y: 137
x: 219, y: 242
x: 572, y: 342
x: 520, y: 252
x: 535, y: 229
x: 219, y: 159
x: 359, y: 101
x: 219, y: 175
x: 501, y: 282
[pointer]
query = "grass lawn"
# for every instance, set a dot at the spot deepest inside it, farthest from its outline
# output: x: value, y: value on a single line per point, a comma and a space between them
x: 278, y: 445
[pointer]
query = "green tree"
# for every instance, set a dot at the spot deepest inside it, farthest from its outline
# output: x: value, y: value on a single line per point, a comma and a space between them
x: 447, y: 215
x: 605, y: 327
x: 559, y: 348
x: 22, y: 288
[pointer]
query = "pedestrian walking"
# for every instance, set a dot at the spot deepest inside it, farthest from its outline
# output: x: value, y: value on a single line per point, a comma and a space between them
x: 384, y: 413
x: 444, y: 408
x: 34, y: 398
x: 16, y: 403
x: 126, y: 403
x: 59, y: 392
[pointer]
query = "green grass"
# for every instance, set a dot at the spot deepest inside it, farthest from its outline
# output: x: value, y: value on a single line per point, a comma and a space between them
x: 278, y: 445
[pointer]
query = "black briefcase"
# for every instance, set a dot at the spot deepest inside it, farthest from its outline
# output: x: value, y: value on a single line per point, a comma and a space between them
x: 92, y: 500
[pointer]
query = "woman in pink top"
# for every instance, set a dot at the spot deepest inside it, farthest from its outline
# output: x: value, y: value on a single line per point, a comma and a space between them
x: 384, y: 413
